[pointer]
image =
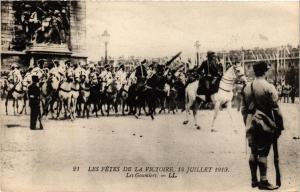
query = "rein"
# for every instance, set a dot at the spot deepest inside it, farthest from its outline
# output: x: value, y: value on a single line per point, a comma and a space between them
x: 84, y: 89
x: 64, y: 90
x: 18, y: 91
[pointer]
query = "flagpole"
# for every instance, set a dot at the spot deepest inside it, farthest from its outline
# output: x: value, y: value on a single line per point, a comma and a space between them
x: 276, y: 65
x: 284, y: 61
x: 224, y: 62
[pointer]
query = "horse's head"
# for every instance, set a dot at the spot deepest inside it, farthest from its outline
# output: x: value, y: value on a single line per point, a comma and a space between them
x: 26, y: 81
x: 25, y: 85
x: 239, y: 72
x: 192, y: 75
x: 54, y: 81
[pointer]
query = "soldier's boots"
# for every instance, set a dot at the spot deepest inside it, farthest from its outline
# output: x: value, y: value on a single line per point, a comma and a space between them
x: 254, y: 183
x: 265, y: 185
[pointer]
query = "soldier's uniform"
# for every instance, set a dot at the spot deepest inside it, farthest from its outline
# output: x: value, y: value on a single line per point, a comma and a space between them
x: 34, y: 102
x: 15, y: 76
x: 78, y: 72
x: 106, y: 75
x: 141, y: 72
x: 120, y: 77
x: 212, y: 72
x: 260, y: 95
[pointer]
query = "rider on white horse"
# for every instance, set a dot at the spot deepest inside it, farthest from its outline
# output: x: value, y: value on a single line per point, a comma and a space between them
x: 14, y: 75
x: 120, y: 77
x: 37, y: 69
x: 211, y: 71
x: 77, y: 71
x: 57, y: 71
x: 106, y: 75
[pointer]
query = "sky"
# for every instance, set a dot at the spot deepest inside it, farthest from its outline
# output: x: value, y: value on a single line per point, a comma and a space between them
x: 157, y: 29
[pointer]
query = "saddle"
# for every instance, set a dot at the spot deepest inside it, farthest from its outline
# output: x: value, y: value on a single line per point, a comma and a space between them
x: 208, y: 85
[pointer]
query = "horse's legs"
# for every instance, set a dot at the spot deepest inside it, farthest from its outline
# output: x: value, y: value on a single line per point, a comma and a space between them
x: 96, y: 107
x: 51, y: 103
x: 24, y: 105
x: 187, y: 109
x: 195, y: 118
x: 229, y: 111
x: 64, y: 105
x: 216, y: 110
x: 59, y: 107
x: 162, y: 103
x: 195, y: 108
x: 116, y: 107
x: 6, y: 102
x: 144, y: 107
x: 17, y: 104
x: 25, y: 102
x: 85, y: 110
x: 123, y: 106
x: 14, y: 103
x: 72, y: 107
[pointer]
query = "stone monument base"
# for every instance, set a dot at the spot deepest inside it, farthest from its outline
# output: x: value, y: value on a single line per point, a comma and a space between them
x: 47, y: 52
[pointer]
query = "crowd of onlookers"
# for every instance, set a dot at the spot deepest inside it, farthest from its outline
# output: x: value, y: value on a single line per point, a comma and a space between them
x: 287, y: 92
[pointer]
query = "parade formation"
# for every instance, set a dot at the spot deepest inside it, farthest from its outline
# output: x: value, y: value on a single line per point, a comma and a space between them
x: 188, y: 114
x: 85, y: 90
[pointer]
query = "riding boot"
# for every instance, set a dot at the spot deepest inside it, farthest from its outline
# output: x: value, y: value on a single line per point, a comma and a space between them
x: 264, y: 184
x: 262, y: 164
x: 253, y: 168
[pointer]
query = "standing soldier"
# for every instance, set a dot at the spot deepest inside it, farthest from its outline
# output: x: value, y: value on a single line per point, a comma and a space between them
x: 293, y: 93
x: 34, y: 102
x: 260, y: 100
x: 286, y: 89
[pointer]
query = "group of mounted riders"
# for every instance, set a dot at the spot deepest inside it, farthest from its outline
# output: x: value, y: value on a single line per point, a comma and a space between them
x: 81, y: 90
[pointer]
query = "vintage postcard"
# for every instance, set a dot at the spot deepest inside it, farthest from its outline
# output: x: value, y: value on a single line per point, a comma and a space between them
x: 101, y: 96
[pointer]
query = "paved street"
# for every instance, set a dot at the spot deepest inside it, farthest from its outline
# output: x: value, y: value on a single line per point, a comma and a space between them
x: 44, y: 160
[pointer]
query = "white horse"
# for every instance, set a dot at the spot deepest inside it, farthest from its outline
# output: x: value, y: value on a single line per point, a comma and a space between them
x: 224, y: 95
x: 84, y: 94
x: 18, y: 92
x: 64, y: 98
x: 75, y: 91
x: 221, y: 98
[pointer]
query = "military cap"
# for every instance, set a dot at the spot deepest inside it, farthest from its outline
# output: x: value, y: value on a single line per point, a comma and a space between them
x: 56, y: 12
x: 107, y: 66
x: 151, y: 65
x: 35, y: 78
x: 210, y: 54
x: 121, y: 66
x: 160, y: 67
x: 41, y: 61
x: 144, y: 61
x: 14, y: 65
x: 261, y: 66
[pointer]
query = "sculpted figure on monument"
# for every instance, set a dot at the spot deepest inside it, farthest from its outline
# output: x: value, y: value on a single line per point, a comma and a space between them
x: 45, y: 22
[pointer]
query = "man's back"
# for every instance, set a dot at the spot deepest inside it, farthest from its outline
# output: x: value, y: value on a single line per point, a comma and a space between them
x: 33, y: 94
x: 265, y: 93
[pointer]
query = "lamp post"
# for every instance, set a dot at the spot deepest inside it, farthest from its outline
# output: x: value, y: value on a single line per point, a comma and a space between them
x: 197, y: 45
x: 105, y: 37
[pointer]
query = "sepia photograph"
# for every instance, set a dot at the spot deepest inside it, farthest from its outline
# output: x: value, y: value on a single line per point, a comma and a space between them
x: 161, y: 96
